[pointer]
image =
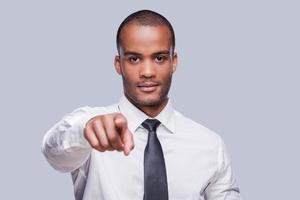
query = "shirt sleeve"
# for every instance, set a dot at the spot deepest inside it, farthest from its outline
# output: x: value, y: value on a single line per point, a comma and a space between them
x: 223, y: 186
x: 64, y: 145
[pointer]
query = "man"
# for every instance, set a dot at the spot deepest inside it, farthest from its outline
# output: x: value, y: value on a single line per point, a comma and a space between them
x: 166, y: 155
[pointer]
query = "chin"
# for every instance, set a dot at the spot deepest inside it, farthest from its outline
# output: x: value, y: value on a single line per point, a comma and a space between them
x: 149, y: 101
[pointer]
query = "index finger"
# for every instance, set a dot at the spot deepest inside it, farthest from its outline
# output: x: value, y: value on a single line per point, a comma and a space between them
x: 126, y: 135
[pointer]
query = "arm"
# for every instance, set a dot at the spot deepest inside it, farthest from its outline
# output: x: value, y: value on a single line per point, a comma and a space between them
x: 223, y: 186
x: 67, y: 145
x: 64, y: 145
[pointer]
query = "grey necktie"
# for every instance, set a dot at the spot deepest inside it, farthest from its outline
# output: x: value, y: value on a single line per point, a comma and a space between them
x: 155, y: 177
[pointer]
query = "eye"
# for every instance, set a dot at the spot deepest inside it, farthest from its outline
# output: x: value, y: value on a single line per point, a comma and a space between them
x: 133, y: 59
x: 160, y: 58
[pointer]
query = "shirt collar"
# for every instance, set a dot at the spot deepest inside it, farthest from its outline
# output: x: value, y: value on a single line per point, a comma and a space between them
x: 135, y: 116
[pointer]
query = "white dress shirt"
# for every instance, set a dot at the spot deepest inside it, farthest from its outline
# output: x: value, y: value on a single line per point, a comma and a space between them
x: 197, y: 164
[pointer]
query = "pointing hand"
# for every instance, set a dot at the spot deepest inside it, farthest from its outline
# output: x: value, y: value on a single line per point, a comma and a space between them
x: 109, y: 132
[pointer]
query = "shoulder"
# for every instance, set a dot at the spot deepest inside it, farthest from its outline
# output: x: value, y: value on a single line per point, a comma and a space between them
x: 195, y: 131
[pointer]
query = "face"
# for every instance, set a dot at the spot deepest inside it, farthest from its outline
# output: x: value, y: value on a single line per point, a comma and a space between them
x: 146, y: 64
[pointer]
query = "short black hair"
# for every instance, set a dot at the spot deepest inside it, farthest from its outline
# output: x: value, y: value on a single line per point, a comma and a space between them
x: 145, y: 18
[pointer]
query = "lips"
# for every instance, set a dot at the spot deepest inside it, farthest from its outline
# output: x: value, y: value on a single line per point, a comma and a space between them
x: 148, y: 86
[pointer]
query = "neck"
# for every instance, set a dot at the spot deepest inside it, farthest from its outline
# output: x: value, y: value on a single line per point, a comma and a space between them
x: 151, y: 111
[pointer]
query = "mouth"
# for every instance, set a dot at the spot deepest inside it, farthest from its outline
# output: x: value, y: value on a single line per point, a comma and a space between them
x: 148, y: 86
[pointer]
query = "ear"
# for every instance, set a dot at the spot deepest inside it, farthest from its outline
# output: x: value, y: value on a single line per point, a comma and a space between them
x: 174, y: 62
x: 117, y: 63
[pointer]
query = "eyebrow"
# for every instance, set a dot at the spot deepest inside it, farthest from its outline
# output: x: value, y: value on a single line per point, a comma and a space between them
x: 162, y: 52
x: 126, y: 53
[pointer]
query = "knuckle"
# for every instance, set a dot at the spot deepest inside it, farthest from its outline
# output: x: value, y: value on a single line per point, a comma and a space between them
x: 105, y: 145
x: 97, y: 147
x: 96, y: 124
x: 106, y: 121
x: 94, y: 144
x: 115, y: 143
x: 93, y: 120
x: 106, y: 118
x: 120, y: 117
x: 100, y: 149
x: 113, y: 138
x: 110, y: 148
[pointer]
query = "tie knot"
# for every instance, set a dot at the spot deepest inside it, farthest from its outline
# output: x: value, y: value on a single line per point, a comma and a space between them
x: 151, y: 124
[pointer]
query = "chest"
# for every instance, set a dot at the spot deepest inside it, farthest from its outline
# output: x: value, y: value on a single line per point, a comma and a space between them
x: 190, y: 167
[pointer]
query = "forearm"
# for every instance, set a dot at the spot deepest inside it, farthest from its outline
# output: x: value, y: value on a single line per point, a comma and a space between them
x: 64, y: 145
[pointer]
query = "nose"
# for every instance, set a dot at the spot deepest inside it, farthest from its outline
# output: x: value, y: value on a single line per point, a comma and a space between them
x: 147, y: 69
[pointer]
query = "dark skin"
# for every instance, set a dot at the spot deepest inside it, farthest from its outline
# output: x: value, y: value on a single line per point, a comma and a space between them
x: 146, y: 64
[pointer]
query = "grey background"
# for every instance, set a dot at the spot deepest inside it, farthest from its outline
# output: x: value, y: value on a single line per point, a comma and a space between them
x: 238, y: 75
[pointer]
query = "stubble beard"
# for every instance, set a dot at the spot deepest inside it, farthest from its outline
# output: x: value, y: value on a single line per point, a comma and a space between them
x: 149, y: 102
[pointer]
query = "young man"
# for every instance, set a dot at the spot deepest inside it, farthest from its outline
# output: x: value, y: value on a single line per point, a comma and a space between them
x: 165, y: 154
